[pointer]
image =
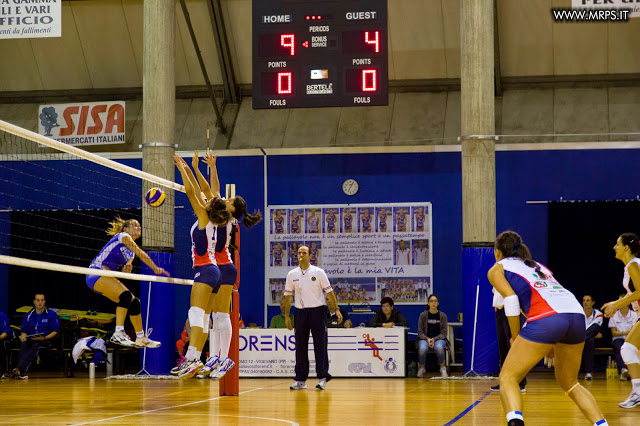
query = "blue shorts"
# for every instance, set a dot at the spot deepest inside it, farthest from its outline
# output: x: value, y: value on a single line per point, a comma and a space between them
x: 92, y: 279
x: 228, y: 276
x: 557, y: 328
x: 208, y: 274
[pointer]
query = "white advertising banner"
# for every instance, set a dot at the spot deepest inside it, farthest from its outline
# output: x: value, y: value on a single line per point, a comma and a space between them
x: 633, y: 6
x: 88, y: 123
x: 368, y: 251
x: 30, y: 18
x: 353, y: 352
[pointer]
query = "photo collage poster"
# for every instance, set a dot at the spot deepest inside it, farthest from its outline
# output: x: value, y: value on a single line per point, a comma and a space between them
x: 368, y: 251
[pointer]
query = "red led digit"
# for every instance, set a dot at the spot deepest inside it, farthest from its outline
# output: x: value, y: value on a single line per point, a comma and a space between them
x: 288, y: 40
x: 369, y: 80
x: 374, y: 41
x: 285, y: 83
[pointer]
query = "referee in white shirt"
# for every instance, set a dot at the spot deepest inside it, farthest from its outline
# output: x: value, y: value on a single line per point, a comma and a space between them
x: 310, y: 284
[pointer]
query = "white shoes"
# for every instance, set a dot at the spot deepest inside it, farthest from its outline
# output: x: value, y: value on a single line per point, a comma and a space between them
x: 145, y: 342
x: 588, y: 376
x: 176, y: 370
x: 298, y: 386
x: 322, y: 383
x: 223, y: 368
x: 121, y: 338
x: 190, y: 369
x: 421, y: 372
x: 210, y: 367
x: 631, y: 401
x: 443, y: 372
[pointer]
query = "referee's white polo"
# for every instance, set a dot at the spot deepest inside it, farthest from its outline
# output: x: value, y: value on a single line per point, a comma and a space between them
x: 309, y: 287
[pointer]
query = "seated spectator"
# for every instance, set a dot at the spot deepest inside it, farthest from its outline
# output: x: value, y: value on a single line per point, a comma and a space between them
x: 332, y: 320
x: 620, y: 324
x: 278, y: 320
x: 432, y: 335
x: 594, y: 320
x: 6, y: 335
x: 388, y: 317
x: 39, y: 327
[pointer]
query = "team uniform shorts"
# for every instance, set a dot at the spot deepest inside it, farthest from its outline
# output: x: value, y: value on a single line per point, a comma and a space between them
x: 92, y: 279
x: 228, y: 276
x: 557, y: 328
x: 207, y: 274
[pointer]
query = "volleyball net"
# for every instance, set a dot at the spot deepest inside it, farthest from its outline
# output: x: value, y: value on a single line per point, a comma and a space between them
x: 57, y: 201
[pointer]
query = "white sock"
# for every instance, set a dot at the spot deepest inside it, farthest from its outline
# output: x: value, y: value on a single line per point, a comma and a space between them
x: 635, y: 383
x: 198, y: 354
x: 225, y: 330
x: 119, y: 328
x: 139, y: 334
x: 602, y: 422
x: 514, y: 415
x: 214, y: 339
x: 191, y: 353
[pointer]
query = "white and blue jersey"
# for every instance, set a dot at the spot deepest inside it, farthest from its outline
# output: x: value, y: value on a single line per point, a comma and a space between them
x: 539, y: 297
x: 44, y: 322
x: 203, y: 245
x: 114, y: 255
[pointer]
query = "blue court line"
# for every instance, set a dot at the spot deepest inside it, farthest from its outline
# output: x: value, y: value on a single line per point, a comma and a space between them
x: 469, y: 408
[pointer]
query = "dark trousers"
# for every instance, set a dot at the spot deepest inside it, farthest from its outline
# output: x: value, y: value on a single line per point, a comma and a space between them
x: 312, y: 320
x: 4, y: 365
x: 616, y: 345
x: 504, y: 337
x: 588, y: 353
x: 29, y: 352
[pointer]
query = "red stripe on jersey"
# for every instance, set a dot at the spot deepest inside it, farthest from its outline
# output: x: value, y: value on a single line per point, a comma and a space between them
x: 224, y: 258
x: 201, y: 260
x: 539, y: 307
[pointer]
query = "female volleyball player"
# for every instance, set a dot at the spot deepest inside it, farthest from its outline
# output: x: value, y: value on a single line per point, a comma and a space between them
x: 627, y: 249
x: 210, y: 214
x: 118, y: 255
x: 555, y: 320
x: 219, y: 362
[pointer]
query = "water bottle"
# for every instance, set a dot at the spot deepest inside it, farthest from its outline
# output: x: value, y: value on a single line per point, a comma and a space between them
x: 92, y: 370
x: 609, y: 363
x: 109, y: 364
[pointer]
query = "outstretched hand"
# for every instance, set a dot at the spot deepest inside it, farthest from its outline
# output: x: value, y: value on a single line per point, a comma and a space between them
x: 210, y: 159
x: 195, y: 160
x: 179, y: 161
x: 160, y: 271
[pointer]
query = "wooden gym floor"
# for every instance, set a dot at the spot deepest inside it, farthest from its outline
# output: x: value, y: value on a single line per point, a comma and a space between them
x: 54, y: 400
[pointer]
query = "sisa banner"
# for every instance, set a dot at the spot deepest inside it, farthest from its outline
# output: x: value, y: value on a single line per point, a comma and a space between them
x: 89, y: 123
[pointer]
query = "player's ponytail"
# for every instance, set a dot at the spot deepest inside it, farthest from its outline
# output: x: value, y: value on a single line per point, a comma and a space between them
x: 117, y: 225
x: 249, y: 220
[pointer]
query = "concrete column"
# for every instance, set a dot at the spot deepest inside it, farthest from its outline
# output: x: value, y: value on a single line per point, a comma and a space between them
x: 478, y: 183
x: 158, y: 109
x: 477, y: 118
x: 158, y: 135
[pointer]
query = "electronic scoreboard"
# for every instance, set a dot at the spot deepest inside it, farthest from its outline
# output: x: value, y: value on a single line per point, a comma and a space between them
x: 319, y: 53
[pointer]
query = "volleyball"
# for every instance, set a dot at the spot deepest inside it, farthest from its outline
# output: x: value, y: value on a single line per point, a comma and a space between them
x: 155, y: 197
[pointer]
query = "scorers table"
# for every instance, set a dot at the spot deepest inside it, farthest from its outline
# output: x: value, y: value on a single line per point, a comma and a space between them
x: 319, y: 53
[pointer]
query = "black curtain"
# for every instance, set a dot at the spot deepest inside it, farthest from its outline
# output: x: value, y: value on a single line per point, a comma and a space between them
x: 69, y: 237
x: 581, y: 239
